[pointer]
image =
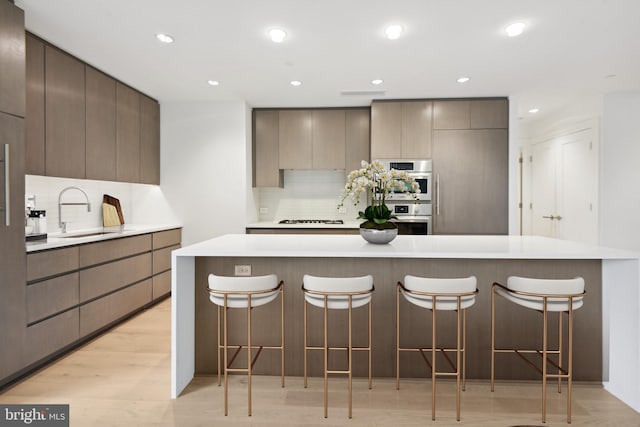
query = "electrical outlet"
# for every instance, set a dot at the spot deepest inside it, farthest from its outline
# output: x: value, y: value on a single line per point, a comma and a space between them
x: 243, y: 270
x: 342, y: 210
x: 264, y: 210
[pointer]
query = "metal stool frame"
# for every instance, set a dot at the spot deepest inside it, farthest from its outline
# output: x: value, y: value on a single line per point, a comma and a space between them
x: 223, y: 349
x: 326, y: 296
x: 459, y: 350
x: 545, y: 352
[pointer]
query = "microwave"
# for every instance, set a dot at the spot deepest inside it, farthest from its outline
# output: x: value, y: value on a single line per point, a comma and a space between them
x: 420, y: 171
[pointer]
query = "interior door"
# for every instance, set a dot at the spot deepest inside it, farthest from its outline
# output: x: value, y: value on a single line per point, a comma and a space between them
x: 543, y: 189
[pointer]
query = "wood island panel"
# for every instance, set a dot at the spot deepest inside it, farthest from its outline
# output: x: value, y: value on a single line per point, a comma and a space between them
x: 515, y: 325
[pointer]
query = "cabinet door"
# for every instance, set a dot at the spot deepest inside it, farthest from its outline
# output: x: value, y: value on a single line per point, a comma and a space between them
x: 416, y: 130
x: 64, y: 115
x: 266, y: 172
x: 471, y: 170
x: 101, y: 125
x: 34, y: 120
x: 357, y: 138
x: 489, y: 114
x: 451, y: 114
x: 295, y: 139
x: 328, y: 139
x: 127, y: 134
x: 386, y: 130
x: 12, y: 253
x: 149, y: 141
x: 12, y: 49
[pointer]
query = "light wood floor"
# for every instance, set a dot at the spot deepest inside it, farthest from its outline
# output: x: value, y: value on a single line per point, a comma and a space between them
x: 122, y: 379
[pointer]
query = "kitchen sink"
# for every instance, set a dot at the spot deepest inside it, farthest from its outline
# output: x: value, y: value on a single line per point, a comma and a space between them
x: 95, y: 233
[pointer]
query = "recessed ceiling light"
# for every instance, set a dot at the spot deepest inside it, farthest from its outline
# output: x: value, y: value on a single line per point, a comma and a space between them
x: 296, y: 82
x: 164, y: 38
x: 393, y: 31
x: 213, y: 82
x: 376, y: 82
x: 277, y: 35
x: 534, y: 110
x: 514, y: 29
x: 463, y: 79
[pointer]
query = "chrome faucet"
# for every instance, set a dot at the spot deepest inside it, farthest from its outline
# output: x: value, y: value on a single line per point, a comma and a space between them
x: 62, y: 224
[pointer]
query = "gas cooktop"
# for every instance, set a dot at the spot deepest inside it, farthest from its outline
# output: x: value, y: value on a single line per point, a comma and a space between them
x: 311, y: 221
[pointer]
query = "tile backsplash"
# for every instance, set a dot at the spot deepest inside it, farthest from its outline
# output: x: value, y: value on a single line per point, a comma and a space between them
x: 307, y: 194
x: 140, y: 203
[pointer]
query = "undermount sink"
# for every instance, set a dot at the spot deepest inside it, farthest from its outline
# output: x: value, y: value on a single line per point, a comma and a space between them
x: 95, y: 233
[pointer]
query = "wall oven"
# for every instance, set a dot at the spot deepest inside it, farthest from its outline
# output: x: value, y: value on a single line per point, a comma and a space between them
x: 412, y: 218
x: 419, y: 170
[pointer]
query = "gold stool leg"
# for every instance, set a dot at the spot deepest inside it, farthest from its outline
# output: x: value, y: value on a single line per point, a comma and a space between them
x: 458, y: 362
x: 326, y: 360
x: 464, y: 349
x: 218, y: 346
x: 570, y: 360
x: 369, y: 351
x: 282, y: 336
x: 544, y: 362
x: 397, y: 337
x: 304, y: 327
x: 433, y: 360
x: 350, y: 361
x: 226, y: 362
x: 559, y: 351
x: 249, y: 356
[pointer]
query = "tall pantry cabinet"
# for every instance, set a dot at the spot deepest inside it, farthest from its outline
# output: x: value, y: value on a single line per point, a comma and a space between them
x: 12, y: 253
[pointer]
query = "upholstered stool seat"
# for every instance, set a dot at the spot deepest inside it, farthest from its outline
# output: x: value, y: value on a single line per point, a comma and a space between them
x: 337, y: 293
x: 247, y: 293
x: 542, y: 295
x: 438, y: 295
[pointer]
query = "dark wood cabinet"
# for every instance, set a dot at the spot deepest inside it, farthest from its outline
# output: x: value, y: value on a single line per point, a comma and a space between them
x: 34, y: 120
x: 295, y: 139
x: 127, y: 134
x: 266, y: 172
x: 328, y: 139
x: 401, y: 130
x: 101, y: 125
x: 149, y: 141
x: 357, y: 138
x: 64, y: 115
x: 12, y: 255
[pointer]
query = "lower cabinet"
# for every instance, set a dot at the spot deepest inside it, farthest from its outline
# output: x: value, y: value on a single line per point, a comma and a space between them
x: 76, y: 291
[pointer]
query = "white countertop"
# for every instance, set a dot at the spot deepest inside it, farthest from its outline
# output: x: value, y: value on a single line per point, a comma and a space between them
x: 276, y: 224
x: 478, y: 247
x: 74, y: 237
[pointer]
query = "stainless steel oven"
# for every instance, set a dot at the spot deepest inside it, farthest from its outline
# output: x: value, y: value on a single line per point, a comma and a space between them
x: 412, y: 218
x: 419, y: 170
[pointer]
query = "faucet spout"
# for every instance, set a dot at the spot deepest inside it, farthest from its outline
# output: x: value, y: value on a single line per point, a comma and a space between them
x: 62, y: 224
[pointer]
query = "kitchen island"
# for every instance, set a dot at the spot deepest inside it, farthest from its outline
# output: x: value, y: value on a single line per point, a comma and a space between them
x: 606, y: 337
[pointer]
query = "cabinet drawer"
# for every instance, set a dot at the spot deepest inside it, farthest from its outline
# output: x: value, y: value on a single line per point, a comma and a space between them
x: 50, y: 263
x: 51, y: 335
x: 105, y: 278
x: 97, y: 253
x: 161, y: 284
x: 104, y: 311
x: 162, y: 259
x: 52, y: 296
x: 163, y: 239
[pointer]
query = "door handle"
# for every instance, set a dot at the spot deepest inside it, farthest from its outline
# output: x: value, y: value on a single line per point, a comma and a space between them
x: 437, y: 194
x: 549, y: 217
x: 7, y: 187
x: 558, y: 217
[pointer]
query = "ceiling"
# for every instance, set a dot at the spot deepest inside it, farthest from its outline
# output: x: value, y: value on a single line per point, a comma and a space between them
x: 572, y: 51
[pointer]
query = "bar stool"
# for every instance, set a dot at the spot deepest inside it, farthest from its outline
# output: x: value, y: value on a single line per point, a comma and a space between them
x: 244, y: 292
x: 450, y: 294
x: 345, y: 293
x: 543, y: 295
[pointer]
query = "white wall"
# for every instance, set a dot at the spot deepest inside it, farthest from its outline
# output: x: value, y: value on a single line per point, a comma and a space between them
x: 620, y: 171
x: 205, y: 153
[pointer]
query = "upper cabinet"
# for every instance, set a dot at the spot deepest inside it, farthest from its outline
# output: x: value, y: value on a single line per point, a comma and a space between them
x: 12, y: 49
x: 127, y: 134
x: 64, y: 115
x: 401, y: 130
x: 471, y: 114
x: 307, y: 139
x: 266, y: 172
x: 34, y: 120
x: 295, y: 133
x: 82, y: 123
x: 101, y: 125
x: 149, y: 141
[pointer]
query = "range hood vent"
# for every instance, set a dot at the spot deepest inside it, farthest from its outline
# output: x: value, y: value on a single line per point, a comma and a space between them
x: 362, y: 92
